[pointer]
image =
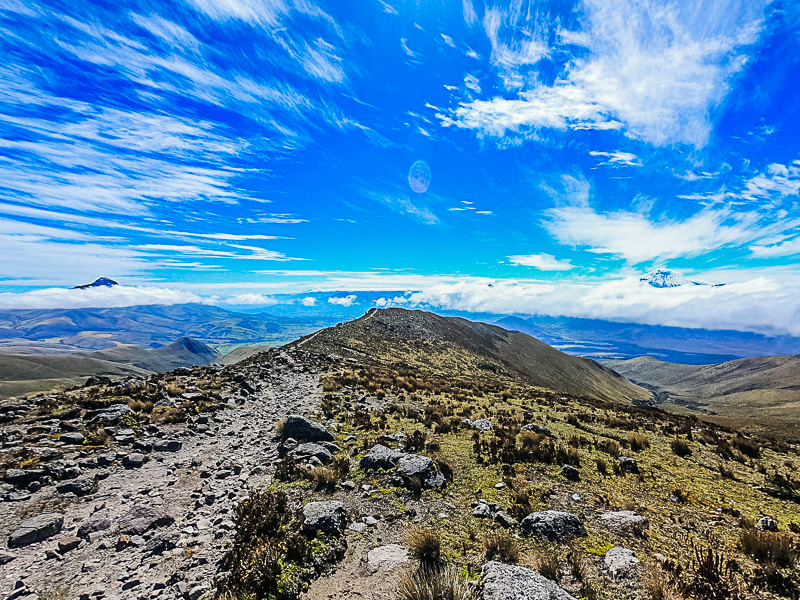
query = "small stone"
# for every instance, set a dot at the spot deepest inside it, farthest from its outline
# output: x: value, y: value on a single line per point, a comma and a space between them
x: 328, y: 517
x: 66, y: 544
x: 620, y: 561
x: 133, y: 460
x: 73, y: 437
x: 766, y: 524
x: 36, y: 529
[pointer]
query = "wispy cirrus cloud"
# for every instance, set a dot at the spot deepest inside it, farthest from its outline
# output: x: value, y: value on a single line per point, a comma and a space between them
x: 654, y: 71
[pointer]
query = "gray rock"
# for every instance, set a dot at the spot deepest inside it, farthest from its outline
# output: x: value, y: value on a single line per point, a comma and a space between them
x: 141, y: 518
x: 623, y: 521
x: 92, y: 526
x: 570, y: 472
x: 328, y: 517
x: 307, y: 450
x: 537, y: 429
x: 73, y: 437
x: 198, y: 591
x: 380, y: 457
x: 422, y: 467
x: 394, y: 438
x: 36, y: 529
x: 553, y: 526
x: 79, y: 487
x: 133, y: 460
x: 482, y: 425
x: 620, y: 561
x: 161, y: 542
x: 304, y: 430
x: 482, y: 511
x: 6, y: 557
x: 168, y: 446
x: 510, y: 582
x: 628, y: 465
x: 766, y: 524
x: 387, y: 557
x: 63, y: 469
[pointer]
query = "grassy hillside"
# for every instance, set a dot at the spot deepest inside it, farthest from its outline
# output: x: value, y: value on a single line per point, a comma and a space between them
x: 758, y: 393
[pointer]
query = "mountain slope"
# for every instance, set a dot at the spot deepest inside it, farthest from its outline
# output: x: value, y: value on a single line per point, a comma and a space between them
x: 414, y: 336
x: 25, y: 373
x: 606, y: 340
x: 764, y: 389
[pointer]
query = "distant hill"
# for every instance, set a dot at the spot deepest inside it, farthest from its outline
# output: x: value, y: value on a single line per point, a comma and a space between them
x: 450, y: 342
x: 759, y: 391
x: 609, y: 340
x: 25, y: 373
x: 66, y: 330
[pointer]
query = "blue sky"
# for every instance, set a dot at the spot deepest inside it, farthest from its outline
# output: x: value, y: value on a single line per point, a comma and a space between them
x: 231, y: 151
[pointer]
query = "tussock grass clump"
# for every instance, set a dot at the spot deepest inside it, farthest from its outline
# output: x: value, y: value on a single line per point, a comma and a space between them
x: 602, y: 465
x: 167, y: 414
x: 546, y: 563
x: 680, y: 447
x: 141, y: 406
x: 769, y: 547
x: 425, y: 545
x: 502, y: 547
x: 429, y: 583
x: 638, y: 442
x: 324, y: 478
x: 747, y: 447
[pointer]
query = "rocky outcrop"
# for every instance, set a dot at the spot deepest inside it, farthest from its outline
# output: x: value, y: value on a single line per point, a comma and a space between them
x: 510, y: 582
x: 553, y: 526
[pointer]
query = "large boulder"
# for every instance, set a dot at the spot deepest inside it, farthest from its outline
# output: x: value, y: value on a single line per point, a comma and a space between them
x: 141, y: 518
x: 553, y: 526
x: 328, y: 517
x: 412, y: 466
x: 36, y: 529
x: 510, y: 582
x: 380, y: 457
x: 305, y: 430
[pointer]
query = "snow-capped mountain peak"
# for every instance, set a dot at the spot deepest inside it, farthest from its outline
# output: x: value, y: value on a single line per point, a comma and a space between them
x: 666, y: 278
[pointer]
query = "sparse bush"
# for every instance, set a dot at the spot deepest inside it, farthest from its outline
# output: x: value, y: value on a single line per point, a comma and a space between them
x: 446, y: 468
x: 267, y: 550
x: 428, y: 583
x: 725, y: 472
x: 502, y: 547
x: 769, y: 547
x: 610, y: 447
x: 425, y: 545
x: 747, y: 447
x: 680, y: 447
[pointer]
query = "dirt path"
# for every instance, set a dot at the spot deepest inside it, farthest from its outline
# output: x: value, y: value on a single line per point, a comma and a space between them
x: 219, y: 462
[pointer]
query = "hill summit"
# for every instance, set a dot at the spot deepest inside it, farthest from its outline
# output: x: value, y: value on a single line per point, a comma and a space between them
x: 451, y: 344
x: 100, y: 282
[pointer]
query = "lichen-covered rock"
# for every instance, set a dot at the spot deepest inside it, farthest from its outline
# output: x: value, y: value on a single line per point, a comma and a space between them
x: 482, y: 425
x: 767, y: 524
x: 623, y: 521
x: 416, y: 466
x: 553, y: 526
x: 305, y: 430
x: 510, y: 582
x: 36, y: 529
x: 328, y: 517
x: 380, y: 457
x: 541, y: 430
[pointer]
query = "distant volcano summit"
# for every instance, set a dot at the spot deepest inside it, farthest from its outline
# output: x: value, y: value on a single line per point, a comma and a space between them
x: 101, y: 282
x: 667, y: 278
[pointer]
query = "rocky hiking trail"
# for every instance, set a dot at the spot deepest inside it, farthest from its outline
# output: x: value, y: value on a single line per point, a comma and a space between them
x: 153, y: 522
